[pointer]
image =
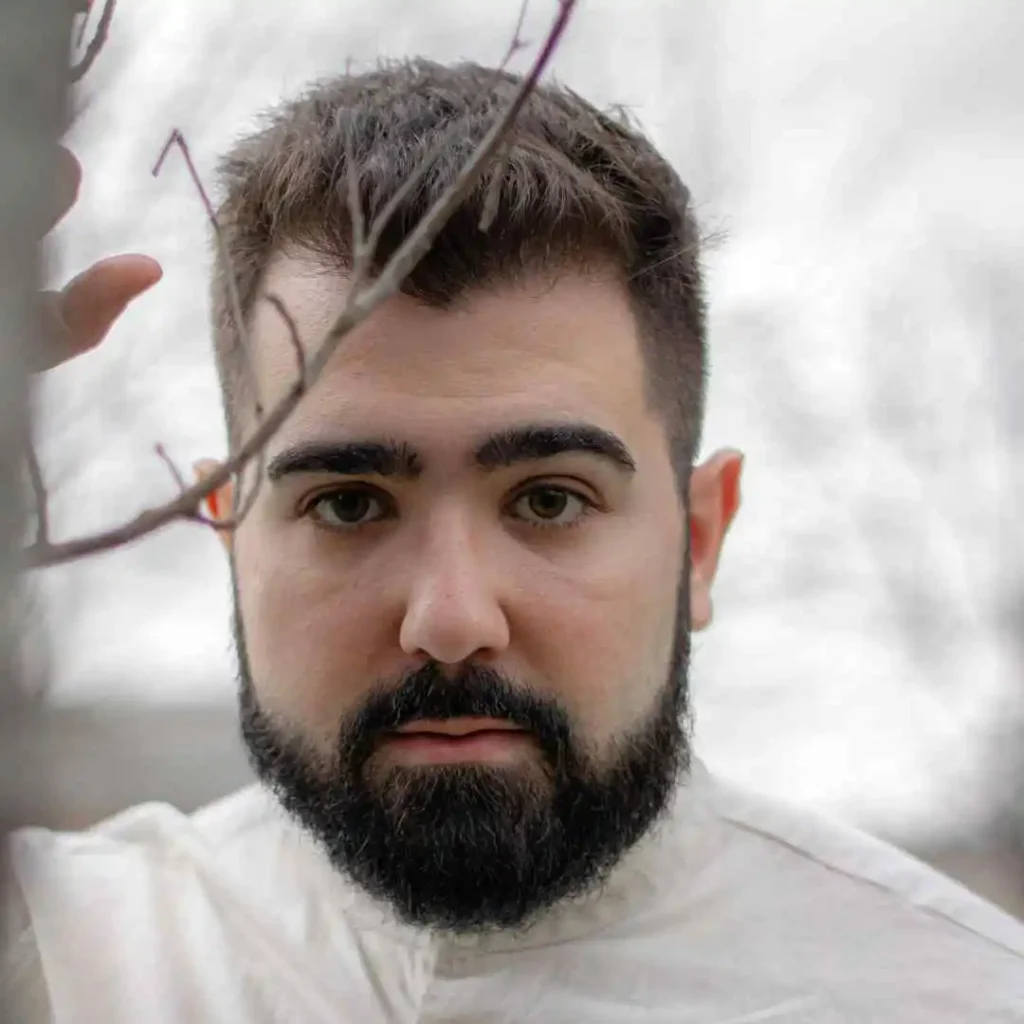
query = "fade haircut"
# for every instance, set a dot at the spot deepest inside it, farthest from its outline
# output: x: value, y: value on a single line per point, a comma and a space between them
x: 577, y: 187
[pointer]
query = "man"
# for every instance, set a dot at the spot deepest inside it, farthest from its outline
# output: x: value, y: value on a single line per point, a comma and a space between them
x: 464, y: 598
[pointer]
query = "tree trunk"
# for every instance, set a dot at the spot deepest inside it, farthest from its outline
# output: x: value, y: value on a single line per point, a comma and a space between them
x: 34, y: 48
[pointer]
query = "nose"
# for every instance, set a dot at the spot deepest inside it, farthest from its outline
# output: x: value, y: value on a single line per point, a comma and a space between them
x: 453, y: 608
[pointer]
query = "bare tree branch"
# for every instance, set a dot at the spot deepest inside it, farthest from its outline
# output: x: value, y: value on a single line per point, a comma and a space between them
x: 493, y: 196
x: 169, y: 463
x: 363, y: 300
x: 242, y: 509
x: 355, y: 209
x: 38, y: 484
x: 361, y: 270
x: 518, y: 43
x: 96, y: 44
x: 177, y: 139
x: 293, y: 332
x: 179, y: 479
x: 84, y: 23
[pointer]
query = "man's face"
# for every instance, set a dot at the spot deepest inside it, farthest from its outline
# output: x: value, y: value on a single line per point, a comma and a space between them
x: 462, y: 631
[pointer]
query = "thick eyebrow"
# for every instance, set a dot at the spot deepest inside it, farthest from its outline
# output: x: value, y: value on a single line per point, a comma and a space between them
x: 348, y: 458
x: 544, y: 441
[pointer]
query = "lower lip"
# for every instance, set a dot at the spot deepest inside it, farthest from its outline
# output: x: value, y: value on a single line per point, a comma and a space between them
x: 486, y: 746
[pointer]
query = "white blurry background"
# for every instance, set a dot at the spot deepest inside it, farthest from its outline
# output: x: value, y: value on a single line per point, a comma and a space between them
x: 862, y: 163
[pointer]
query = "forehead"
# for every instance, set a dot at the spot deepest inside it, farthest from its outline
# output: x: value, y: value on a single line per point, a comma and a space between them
x: 563, y: 344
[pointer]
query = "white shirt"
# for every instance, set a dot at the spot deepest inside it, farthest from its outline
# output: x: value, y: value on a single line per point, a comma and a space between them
x: 734, y: 911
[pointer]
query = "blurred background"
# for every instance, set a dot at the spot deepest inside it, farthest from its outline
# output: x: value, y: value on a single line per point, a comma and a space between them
x: 859, y: 166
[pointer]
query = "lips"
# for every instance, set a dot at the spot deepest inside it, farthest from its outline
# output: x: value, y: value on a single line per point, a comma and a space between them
x: 456, y: 728
x: 449, y: 741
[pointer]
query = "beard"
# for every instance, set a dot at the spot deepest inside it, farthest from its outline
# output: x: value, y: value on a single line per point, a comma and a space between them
x: 469, y: 847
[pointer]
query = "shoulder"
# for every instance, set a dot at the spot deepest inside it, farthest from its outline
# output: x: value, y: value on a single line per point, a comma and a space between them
x: 212, y: 906
x: 245, y: 833
x: 155, y: 834
x: 851, y: 915
x: 836, y: 858
x: 227, y: 867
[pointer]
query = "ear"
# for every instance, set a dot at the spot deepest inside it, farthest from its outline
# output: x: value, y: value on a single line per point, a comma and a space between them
x: 714, y: 501
x: 219, y: 503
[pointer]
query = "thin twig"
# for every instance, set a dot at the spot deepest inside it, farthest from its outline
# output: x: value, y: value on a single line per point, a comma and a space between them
x: 381, y: 221
x: 492, y: 198
x: 293, y: 332
x: 82, y: 25
x: 38, y: 484
x: 493, y: 195
x: 355, y: 208
x: 96, y: 44
x: 418, y: 243
x: 360, y: 304
x: 176, y: 138
x: 169, y: 463
x: 356, y: 214
x: 179, y: 479
x: 241, y: 332
x: 241, y: 510
x: 518, y: 43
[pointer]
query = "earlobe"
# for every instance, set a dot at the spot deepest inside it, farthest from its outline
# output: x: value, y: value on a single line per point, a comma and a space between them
x: 701, y: 610
x: 219, y: 502
x: 714, y: 502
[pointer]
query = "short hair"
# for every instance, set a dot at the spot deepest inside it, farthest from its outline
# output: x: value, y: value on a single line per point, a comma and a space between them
x: 572, y: 185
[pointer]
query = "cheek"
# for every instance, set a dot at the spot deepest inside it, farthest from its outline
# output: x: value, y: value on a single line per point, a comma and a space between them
x: 602, y: 627
x: 308, y: 630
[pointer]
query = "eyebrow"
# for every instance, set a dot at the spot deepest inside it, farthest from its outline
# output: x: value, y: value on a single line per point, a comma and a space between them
x: 351, y: 458
x: 509, y: 447
x: 545, y: 441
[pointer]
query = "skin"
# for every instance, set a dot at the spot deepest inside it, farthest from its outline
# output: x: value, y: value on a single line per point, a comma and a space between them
x: 87, y: 307
x: 455, y: 572
x: 456, y: 565
x: 542, y: 585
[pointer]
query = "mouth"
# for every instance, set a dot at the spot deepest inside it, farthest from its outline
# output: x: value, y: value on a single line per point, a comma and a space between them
x: 456, y: 740
x: 456, y: 727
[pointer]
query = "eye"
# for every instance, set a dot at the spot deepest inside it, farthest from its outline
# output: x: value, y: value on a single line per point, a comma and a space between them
x: 349, y: 508
x: 549, y: 505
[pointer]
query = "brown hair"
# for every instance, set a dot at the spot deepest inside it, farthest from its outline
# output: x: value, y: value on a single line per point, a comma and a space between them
x: 575, y: 184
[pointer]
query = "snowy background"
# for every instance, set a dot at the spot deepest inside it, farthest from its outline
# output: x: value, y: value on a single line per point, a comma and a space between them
x: 862, y: 162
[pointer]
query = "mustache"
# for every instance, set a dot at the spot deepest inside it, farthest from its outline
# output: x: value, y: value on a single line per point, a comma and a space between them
x: 477, y: 691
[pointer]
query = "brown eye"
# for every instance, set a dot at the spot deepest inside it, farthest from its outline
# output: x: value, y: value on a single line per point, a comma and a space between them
x: 348, y: 508
x: 550, y: 506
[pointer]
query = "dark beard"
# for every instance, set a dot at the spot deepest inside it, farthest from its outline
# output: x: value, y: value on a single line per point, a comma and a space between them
x: 472, y: 847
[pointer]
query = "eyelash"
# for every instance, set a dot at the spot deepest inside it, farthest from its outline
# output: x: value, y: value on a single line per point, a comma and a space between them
x: 589, y: 505
x: 307, y: 510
